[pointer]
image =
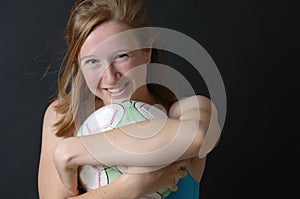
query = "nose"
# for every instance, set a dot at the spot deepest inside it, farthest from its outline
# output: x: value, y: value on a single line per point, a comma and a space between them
x: 111, y: 75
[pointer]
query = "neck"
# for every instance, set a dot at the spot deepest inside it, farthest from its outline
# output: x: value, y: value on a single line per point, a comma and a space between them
x: 142, y: 94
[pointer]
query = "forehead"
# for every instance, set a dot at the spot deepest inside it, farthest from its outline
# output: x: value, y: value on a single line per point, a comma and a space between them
x: 107, y: 36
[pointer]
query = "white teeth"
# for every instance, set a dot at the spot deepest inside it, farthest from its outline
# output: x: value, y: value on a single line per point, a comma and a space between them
x: 115, y: 90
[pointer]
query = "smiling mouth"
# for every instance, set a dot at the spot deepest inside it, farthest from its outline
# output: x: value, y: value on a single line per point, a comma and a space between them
x: 117, y: 90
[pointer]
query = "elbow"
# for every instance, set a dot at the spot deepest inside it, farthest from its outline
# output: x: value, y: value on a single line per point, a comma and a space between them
x: 64, y: 156
x: 200, y: 136
x: 208, y: 137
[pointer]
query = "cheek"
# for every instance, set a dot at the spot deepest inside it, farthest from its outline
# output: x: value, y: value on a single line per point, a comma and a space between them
x: 133, y: 65
x: 127, y: 66
x: 92, y: 78
x: 137, y: 73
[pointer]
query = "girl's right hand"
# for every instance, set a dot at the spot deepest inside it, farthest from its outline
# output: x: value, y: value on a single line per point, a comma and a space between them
x: 146, y: 183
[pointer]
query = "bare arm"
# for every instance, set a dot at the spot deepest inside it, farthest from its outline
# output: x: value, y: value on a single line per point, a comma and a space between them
x: 50, y: 185
x: 191, y: 118
x: 175, y: 139
x: 143, y: 184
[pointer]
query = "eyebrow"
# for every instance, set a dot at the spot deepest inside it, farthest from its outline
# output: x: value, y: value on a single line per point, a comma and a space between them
x: 87, y: 56
x: 114, y: 53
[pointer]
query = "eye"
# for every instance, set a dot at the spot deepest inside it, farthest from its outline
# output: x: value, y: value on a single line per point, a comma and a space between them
x: 91, y: 61
x: 121, y: 57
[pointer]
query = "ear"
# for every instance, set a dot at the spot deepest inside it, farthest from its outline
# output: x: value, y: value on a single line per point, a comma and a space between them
x: 148, y: 54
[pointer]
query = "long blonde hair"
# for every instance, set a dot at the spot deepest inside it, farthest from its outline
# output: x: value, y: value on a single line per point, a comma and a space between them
x: 85, y: 16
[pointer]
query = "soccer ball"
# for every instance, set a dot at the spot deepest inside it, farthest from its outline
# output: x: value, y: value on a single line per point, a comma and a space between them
x: 106, y: 118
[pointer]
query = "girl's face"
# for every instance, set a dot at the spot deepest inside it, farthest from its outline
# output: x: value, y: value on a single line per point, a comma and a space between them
x: 112, y: 63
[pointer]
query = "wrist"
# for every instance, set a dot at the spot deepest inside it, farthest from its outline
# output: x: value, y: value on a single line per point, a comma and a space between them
x: 123, y: 183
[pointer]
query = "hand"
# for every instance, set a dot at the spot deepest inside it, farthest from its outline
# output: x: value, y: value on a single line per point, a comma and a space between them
x: 146, y: 183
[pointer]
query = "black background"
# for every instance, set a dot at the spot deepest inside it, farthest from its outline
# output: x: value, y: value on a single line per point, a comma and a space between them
x: 255, y: 46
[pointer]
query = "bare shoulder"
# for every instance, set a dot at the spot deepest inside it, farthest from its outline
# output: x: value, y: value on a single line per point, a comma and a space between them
x: 49, y: 139
x: 51, y: 116
x: 49, y: 128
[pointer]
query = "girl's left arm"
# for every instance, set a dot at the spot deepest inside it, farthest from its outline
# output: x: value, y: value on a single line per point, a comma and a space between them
x: 203, y: 110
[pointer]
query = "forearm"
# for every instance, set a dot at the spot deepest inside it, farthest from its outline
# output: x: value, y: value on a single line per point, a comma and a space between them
x: 147, y: 143
x: 67, y: 167
x: 114, y: 190
x: 129, y: 186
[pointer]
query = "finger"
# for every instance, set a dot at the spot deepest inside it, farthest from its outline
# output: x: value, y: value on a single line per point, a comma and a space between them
x: 173, y: 187
x: 181, y: 173
x: 182, y: 163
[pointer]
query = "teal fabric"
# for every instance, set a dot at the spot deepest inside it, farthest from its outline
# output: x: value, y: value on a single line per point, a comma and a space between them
x: 188, y: 189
